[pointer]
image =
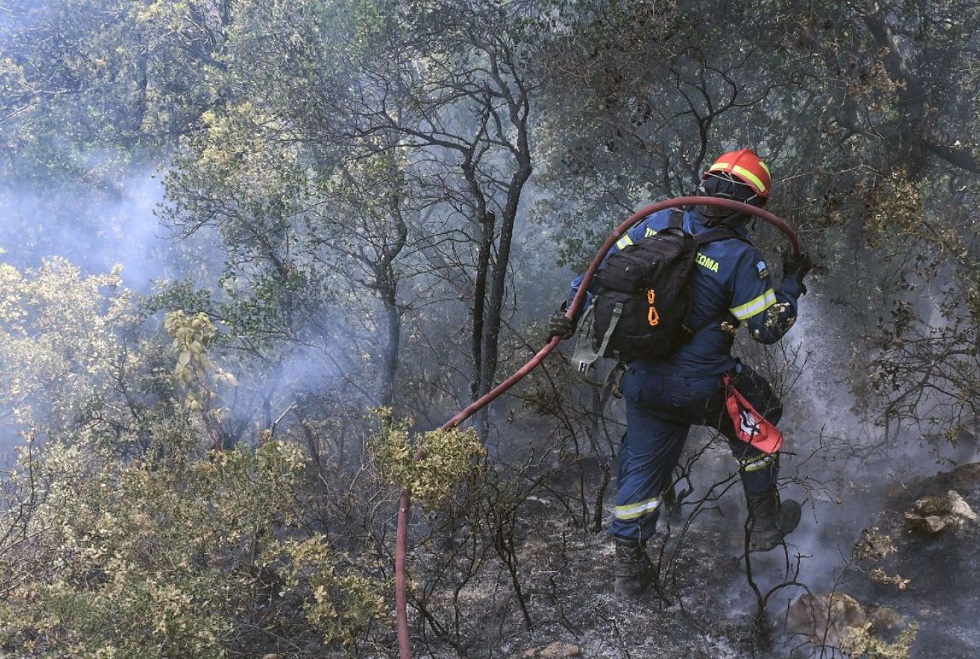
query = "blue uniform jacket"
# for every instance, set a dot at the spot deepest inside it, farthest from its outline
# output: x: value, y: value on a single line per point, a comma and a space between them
x: 731, y: 277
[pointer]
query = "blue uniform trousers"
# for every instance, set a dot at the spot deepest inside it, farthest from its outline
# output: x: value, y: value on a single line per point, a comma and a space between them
x: 660, y: 411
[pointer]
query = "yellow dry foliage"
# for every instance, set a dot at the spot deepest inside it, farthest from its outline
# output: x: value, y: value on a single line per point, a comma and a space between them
x: 863, y: 642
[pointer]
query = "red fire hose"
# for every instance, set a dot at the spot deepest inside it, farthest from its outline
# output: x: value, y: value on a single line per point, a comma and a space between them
x: 404, y: 501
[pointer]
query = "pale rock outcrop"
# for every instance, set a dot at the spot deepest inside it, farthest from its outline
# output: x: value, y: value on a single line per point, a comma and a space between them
x: 931, y: 515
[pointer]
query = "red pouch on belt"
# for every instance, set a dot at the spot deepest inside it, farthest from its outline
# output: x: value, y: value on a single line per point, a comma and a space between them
x: 750, y: 426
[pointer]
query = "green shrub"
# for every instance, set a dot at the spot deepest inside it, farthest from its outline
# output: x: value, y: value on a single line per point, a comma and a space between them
x: 429, y: 465
x: 169, y: 560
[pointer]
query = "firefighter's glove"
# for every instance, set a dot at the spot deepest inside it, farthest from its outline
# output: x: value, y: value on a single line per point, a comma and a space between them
x: 796, y: 265
x: 559, y: 325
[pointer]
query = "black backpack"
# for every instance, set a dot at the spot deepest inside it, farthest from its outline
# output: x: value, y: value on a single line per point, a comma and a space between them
x: 642, y: 297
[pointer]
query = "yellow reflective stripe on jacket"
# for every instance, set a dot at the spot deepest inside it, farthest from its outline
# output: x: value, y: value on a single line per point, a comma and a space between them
x: 756, y: 306
x: 626, y: 241
x: 639, y: 509
x: 755, y: 464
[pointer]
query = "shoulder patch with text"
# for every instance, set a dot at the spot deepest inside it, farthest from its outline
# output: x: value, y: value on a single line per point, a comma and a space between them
x: 763, y: 269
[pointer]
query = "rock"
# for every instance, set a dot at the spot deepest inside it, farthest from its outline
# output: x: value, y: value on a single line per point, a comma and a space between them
x: 930, y: 507
x: 826, y: 618
x: 884, y: 618
x: 959, y: 507
x: 554, y: 650
x: 931, y: 515
x: 928, y: 525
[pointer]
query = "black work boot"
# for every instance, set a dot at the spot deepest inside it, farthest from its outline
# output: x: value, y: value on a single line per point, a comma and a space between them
x: 770, y: 519
x: 633, y: 570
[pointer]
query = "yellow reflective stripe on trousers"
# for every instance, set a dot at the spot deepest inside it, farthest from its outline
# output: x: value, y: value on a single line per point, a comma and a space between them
x: 755, y: 464
x: 756, y: 306
x: 634, y: 510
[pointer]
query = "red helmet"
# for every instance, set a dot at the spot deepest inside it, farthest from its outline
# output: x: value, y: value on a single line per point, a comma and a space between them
x: 745, y: 166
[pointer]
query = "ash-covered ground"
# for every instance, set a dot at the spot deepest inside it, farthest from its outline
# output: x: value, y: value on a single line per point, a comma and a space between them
x: 914, y: 594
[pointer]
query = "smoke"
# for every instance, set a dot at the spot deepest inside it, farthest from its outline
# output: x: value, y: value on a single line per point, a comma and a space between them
x: 99, y: 227
x: 839, y: 463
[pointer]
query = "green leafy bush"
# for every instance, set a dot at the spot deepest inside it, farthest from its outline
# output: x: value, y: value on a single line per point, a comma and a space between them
x: 430, y: 464
x: 173, y: 560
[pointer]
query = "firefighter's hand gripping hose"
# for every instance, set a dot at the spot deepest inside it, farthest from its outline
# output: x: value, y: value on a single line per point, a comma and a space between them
x: 404, y: 501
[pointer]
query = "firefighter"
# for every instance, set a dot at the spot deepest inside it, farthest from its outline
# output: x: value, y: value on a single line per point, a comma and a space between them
x: 731, y: 286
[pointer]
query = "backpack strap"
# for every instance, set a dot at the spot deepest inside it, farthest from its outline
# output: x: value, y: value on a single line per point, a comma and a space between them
x: 617, y: 314
x: 585, y: 355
